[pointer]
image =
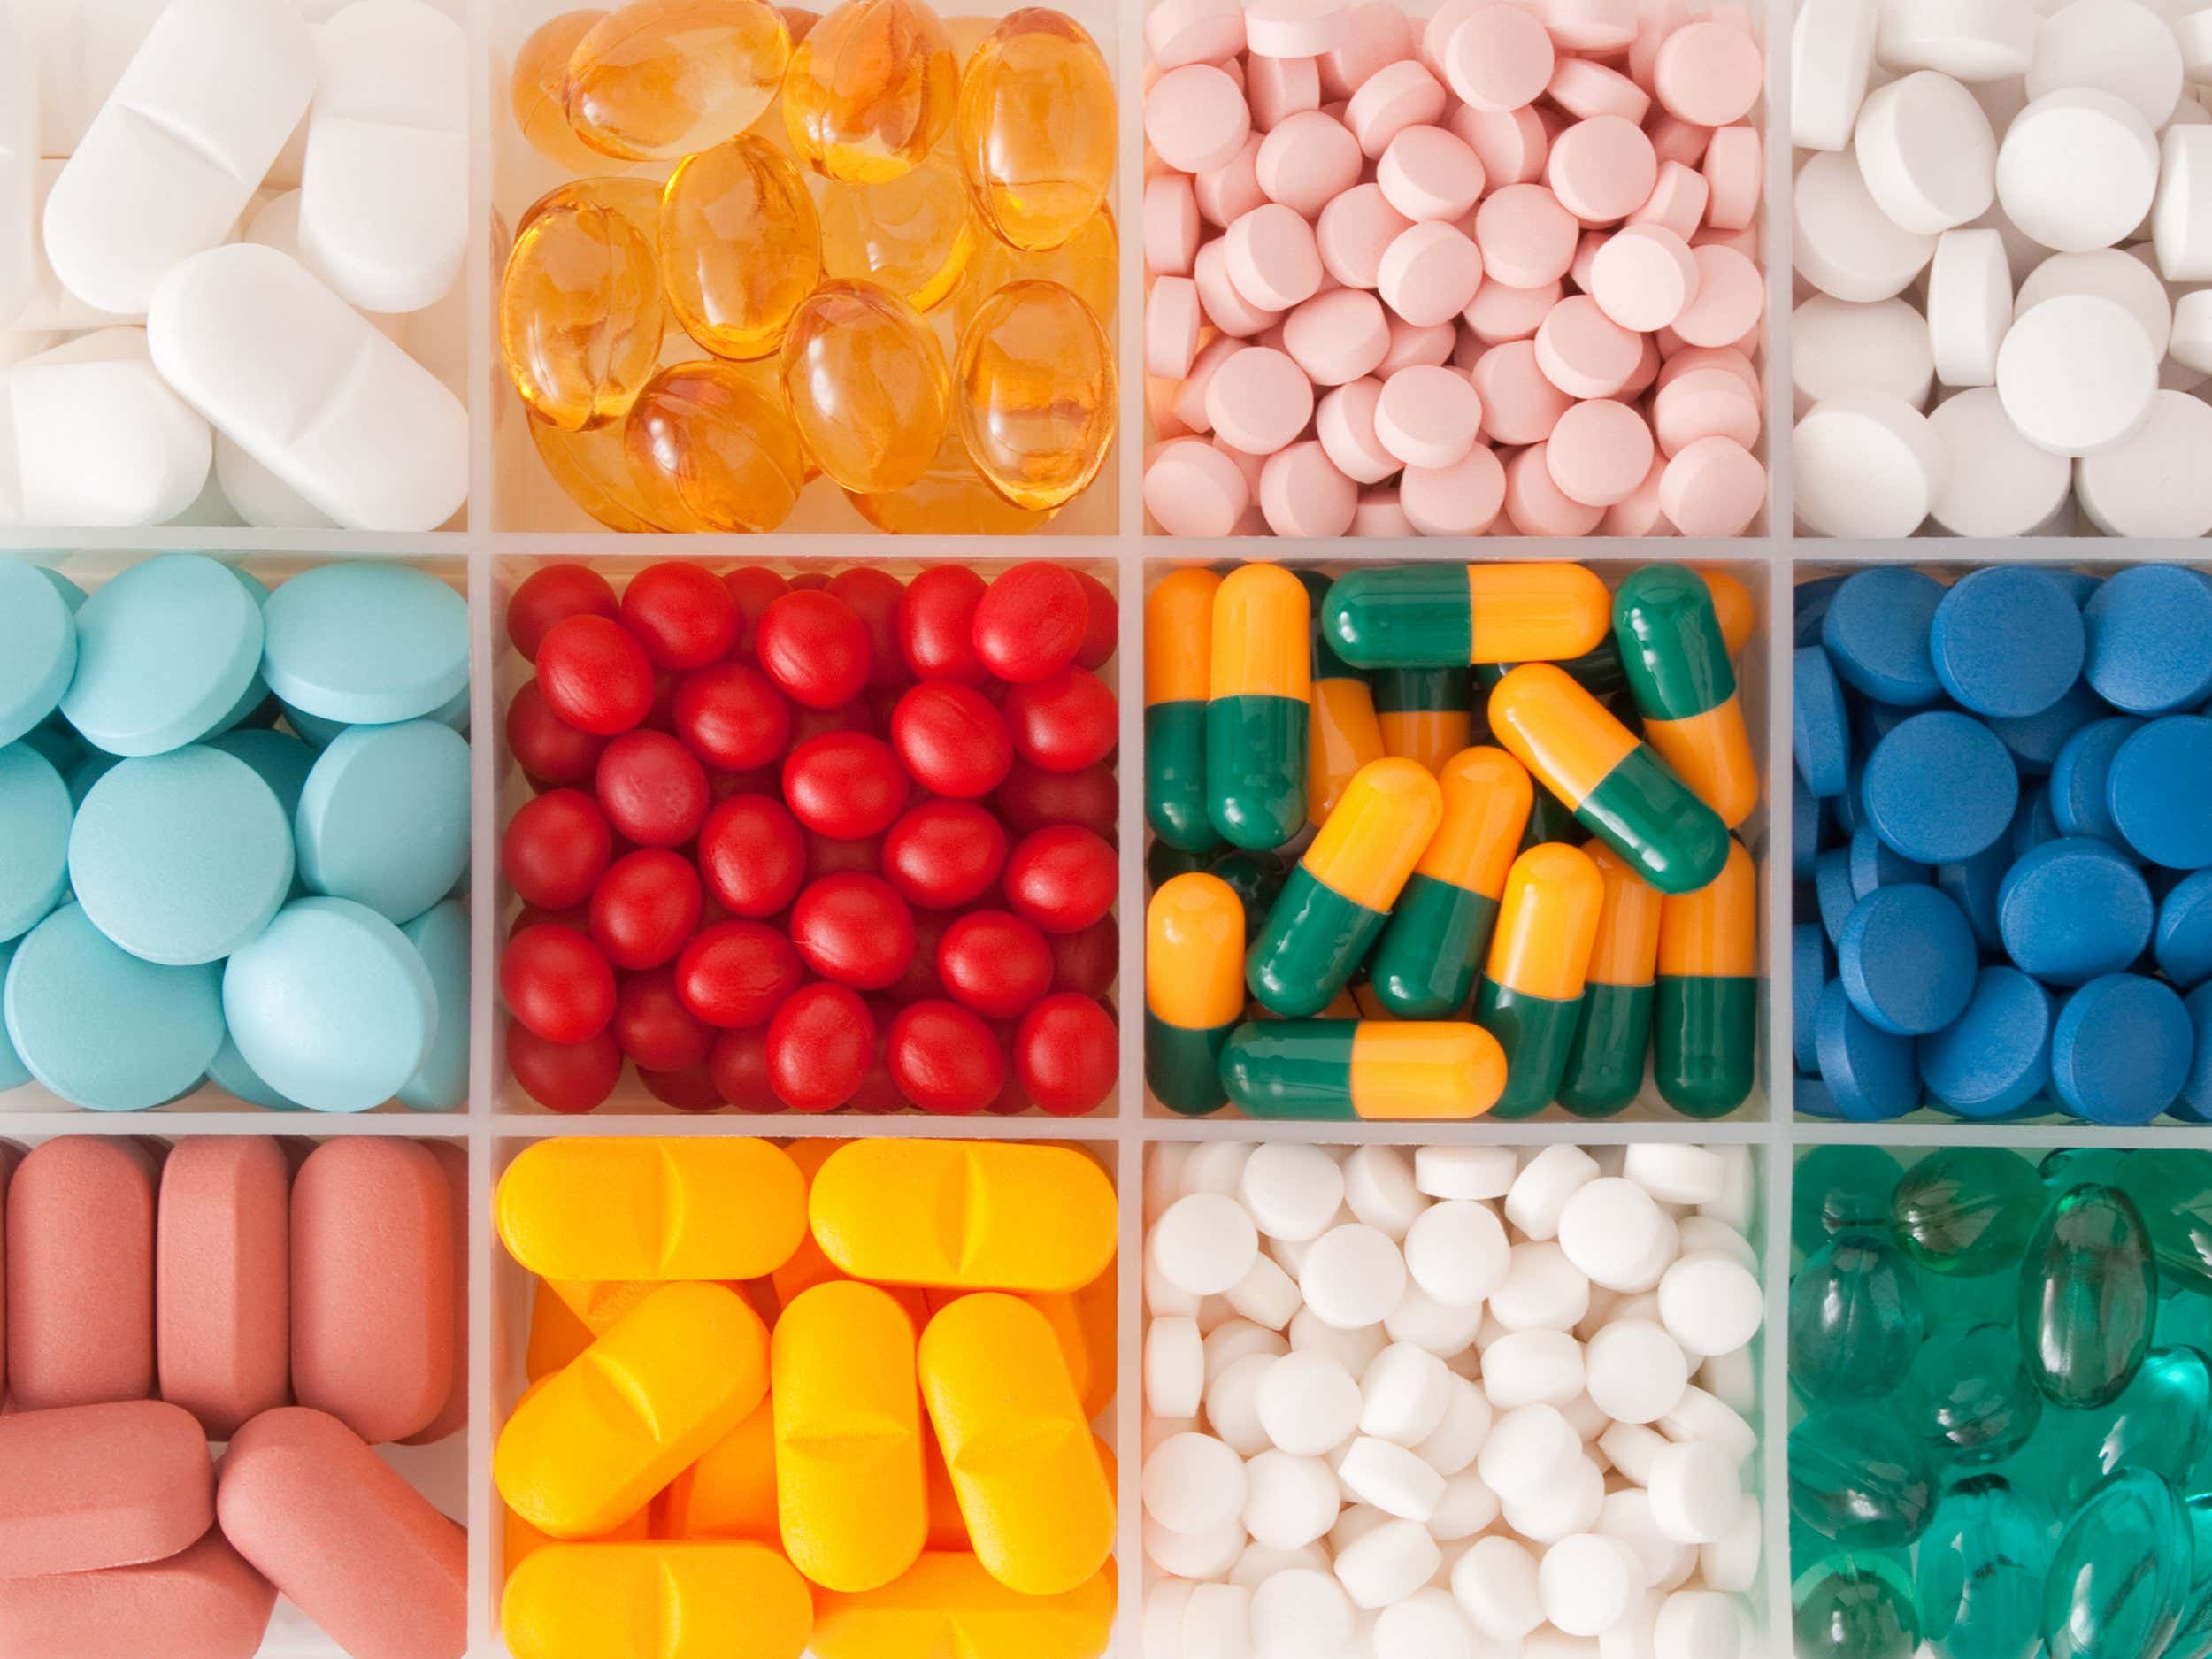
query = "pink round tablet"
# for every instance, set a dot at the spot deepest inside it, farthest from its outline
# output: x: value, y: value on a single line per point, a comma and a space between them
x: 1601, y: 169
x: 1196, y: 118
x: 1430, y: 273
x: 1344, y: 421
x: 1673, y: 140
x: 1707, y: 73
x: 1599, y: 452
x: 1655, y: 20
x: 1307, y: 162
x: 1499, y: 59
x: 1190, y: 400
x: 1379, y: 513
x: 1250, y: 465
x: 1586, y: 248
x: 1296, y: 29
x: 1713, y: 488
x: 1730, y: 294
x: 1590, y: 25
x: 1226, y: 193
x: 1170, y: 224
x: 1519, y: 404
x: 1732, y: 167
x: 1584, y: 352
x: 1462, y: 499
x: 1511, y: 144
x: 1179, y: 32
x: 1500, y: 311
x: 1677, y: 202
x: 1428, y: 416
x: 1279, y: 87
x: 1536, y: 506
x: 1272, y: 259
x: 1643, y: 277
x: 1192, y: 488
x: 1338, y: 336
x: 1171, y: 320
x: 1394, y: 97
x: 1416, y: 345
x: 1585, y: 90
x: 1648, y: 367
x: 1528, y: 238
x: 1303, y: 494
x: 1704, y: 403
x: 1355, y: 231
x: 1710, y: 358
x: 1259, y: 401
x: 1437, y: 31
x: 1428, y: 172
x: 1641, y: 514
x: 1381, y: 34
x: 1226, y: 308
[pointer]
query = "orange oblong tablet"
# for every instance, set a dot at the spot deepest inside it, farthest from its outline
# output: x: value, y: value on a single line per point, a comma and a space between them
x: 807, y: 1266
x: 453, y: 1164
x: 947, y: 1603
x: 1023, y: 1461
x: 980, y: 1214
x: 107, y: 1486
x: 850, y: 1496
x: 730, y: 1491
x: 80, y: 1274
x: 590, y: 1445
x: 223, y: 1292
x: 202, y: 1603
x: 523, y: 1539
x: 663, y: 1600
x: 652, y: 1207
x: 558, y: 1332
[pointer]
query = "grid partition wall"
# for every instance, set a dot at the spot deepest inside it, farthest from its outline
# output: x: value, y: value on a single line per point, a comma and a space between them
x: 502, y: 536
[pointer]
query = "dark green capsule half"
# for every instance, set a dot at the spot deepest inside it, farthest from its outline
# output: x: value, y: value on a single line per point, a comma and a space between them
x: 1183, y: 1065
x: 1256, y: 769
x: 1314, y: 940
x: 1605, y: 1068
x: 1705, y: 1042
x: 1536, y: 1033
x: 1175, y: 775
x: 1291, y: 1068
x: 1649, y: 816
x: 1327, y: 664
x: 1422, y: 690
x: 1410, y: 616
x: 1437, y: 939
x: 1550, y: 819
x: 1671, y: 643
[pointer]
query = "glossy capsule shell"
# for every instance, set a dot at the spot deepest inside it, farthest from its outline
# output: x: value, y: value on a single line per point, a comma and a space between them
x: 1332, y: 908
x: 1035, y: 129
x: 1088, y: 265
x: 537, y: 90
x: 1618, y: 789
x: 659, y: 79
x: 1035, y: 392
x: 1605, y: 1068
x: 741, y: 247
x: 1439, y: 935
x: 870, y: 91
x: 1732, y: 605
x: 948, y: 1603
x: 912, y: 234
x: 1258, y: 714
x: 1707, y: 1013
x: 1424, y: 714
x: 1598, y: 670
x: 1429, y: 616
x: 580, y: 315
x: 1530, y: 996
x: 949, y: 498
x: 1683, y: 685
x: 1333, y: 1070
x: 2088, y: 1298
x: 1343, y: 731
x: 592, y: 468
x: 656, y: 1600
x: 1193, y: 987
x: 1178, y: 621
x: 709, y: 448
x: 866, y: 383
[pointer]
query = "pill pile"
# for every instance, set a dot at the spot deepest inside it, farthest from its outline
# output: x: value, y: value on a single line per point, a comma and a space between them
x: 872, y: 261
x: 833, y: 1398
x: 2003, y: 842
x: 2007, y: 206
x: 829, y: 841
x: 189, y: 890
x: 229, y: 229
x: 225, y: 1289
x: 1428, y: 1403
x: 1439, y: 875
x: 1493, y: 270
x: 2007, y: 1409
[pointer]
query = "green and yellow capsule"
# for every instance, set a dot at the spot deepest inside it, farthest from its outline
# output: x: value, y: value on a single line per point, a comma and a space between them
x: 1344, y: 733
x: 1605, y: 1069
x: 1337, y: 900
x: 1193, y: 989
x: 1424, y: 714
x: 1685, y: 685
x: 1709, y: 992
x: 1433, y: 615
x: 1256, y: 715
x: 1530, y: 996
x: 1178, y: 619
x: 1550, y: 819
x: 1598, y: 671
x: 1618, y: 789
x: 1425, y: 964
x: 1337, y: 1069
x: 1733, y: 604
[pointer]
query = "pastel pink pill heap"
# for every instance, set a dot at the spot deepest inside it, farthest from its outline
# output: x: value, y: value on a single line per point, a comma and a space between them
x: 1494, y: 271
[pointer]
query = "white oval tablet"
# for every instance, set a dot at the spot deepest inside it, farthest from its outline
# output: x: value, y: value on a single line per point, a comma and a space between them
x: 1926, y: 152
x: 2077, y: 373
x: 2155, y: 482
x: 2078, y: 169
x: 1970, y: 305
x: 1845, y: 245
x: 1867, y: 465
x: 90, y: 434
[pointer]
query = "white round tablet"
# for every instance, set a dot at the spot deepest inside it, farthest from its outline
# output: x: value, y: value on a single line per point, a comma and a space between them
x: 1266, y: 1295
x: 2181, y: 218
x: 1731, y: 1562
x: 1291, y: 1191
x: 1259, y: 1563
x: 1702, y: 1417
x: 2116, y: 275
x: 1233, y: 1340
x: 1464, y: 1171
x: 1459, y: 1433
x: 1703, y: 1232
x: 1541, y: 1190
x: 1299, y: 1614
x: 1927, y: 153
x: 2115, y: 46
x: 1216, y: 1167
x: 1571, y: 1504
x: 1174, y: 1367
x: 1832, y: 52
x: 1543, y: 1290
x: 2078, y: 169
x: 1970, y: 305
x: 1457, y: 1252
x: 1403, y: 1394
x: 1193, y: 1483
x: 1695, y: 1492
x: 1232, y: 1405
x: 2077, y: 374
x: 1162, y: 1625
x: 1204, y: 1243
x: 1711, y: 1304
x: 1289, y: 1500
x: 1308, y: 1404
x: 1697, y: 1624
x: 1996, y: 483
x: 1353, y: 1276
x: 1868, y: 464
x: 1379, y: 1189
x: 1206, y: 1555
x: 1528, y: 1448
x: 1422, y: 1320
x: 1392, y: 1478
x: 1675, y: 1172
x: 1586, y: 1582
x: 1845, y: 245
x: 1609, y: 1230
x: 1532, y: 1368
x: 1495, y: 1585
x: 1969, y: 40
x: 1387, y: 1563
x: 1627, y: 1516
x: 1427, y: 1624
x: 1468, y: 1507
x: 1352, y: 1347
x: 1218, y: 1622
x: 2155, y: 482
x: 1840, y: 346
x: 2192, y: 345
x: 1637, y: 1371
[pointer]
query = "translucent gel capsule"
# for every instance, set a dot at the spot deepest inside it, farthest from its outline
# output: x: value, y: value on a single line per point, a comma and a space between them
x: 1971, y: 1397
x: 539, y: 86
x: 870, y: 91
x: 1835, y: 1188
x: 711, y: 450
x: 912, y: 234
x: 1088, y: 265
x: 2192, y: 1637
x: 1855, y: 1319
x: 740, y: 245
x: 2172, y: 1189
x: 966, y: 33
x: 2088, y: 1294
x: 2120, y: 1572
x: 866, y: 384
x: 593, y: 469
x: 1859, y: 1475
x: 1035, y: 392
x: 949, y: 498
x: 659, y: 79
x: 1036, y: 131
x: 1967, y: 1210
x: 2162, y: 1421
x: 1978, y: 1571
x: 1855, y: 1607
x: 637, y: 200
x: 580, y: 316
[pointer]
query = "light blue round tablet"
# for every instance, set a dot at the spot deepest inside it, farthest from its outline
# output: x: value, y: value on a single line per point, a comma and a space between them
x: 367, y: 642
x: 2122, y: 1049
x: 1941, y: 787
x: 104, y: 1029
x: 2150, y: 638
x: 1808, y: 818
x: 2159, y: 792
x: 2074, y: 909
x: 1876, y: 863
x: 1871, y: 1075
x: 229, y: 1073
x: 1872, y: 722
x: 1907, y: 959
x: 281, y: 761
x: 2032, y: 824
x: 2196, y: 1094
x: 2008, y: 640
x: 441, y: 935
x: 2036, y: 740
x: 331, y: 1006
x: 1876, y: 631
x: 384, y: 819
x: 1810, y: 602
x: 1995, y: 1056
x: 38, y: 647
x: 1846, y: 808
x: 1831, y: 889
x: 1822, y: 734
x: 1809, y: 974
x: 164, y: 652
x: 13, y: 1073
x: 72, y: 595
x: 182, y: 858
x: 2079, y: 774
x: 321, y: 732
x: 35, y: 813
x: 2184, y: 942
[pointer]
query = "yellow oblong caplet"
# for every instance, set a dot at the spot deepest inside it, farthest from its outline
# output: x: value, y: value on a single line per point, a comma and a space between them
x: 1487, y: 797
x: 731, y: 1491
x: 593, y: 1443
x: 1377, y: 832
x: 1557, y: 729
x: 523, y: 1539
x: 1193, y: 957
x: 968, y: 1215
x: 591, y: 1207
x: 558, y: 1332
x: 1178, y: 625
x: 1547, y: 921
x: 946, y: 1604
x: 1023, y: 1461
x: 1261, y: 646
x: 1440, y: 1069
x: 850, y: 1496
x: 806, y: 1266
x: 1714, y: 932
x: 666, y: 1600
x: 1626, y: 949
x: 1532, y: 613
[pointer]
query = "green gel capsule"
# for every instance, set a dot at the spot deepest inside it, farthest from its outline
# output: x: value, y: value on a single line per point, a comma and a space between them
x: 1968, y: 1210
x: 2162, y: 1422
x: 1856, y: 1608
x: 1970, y: 1397
x: 2171, y: 1190
x: 2120, y: 1573
x: 1255, y: 878
x: 1978, y: 1571
x: 2193, y: 1637
x: 1856, y: 1322
x: 1838, y: 1188
x: 1424, y: 713
x: 1860, y: 1476
x: 2088, y: 1294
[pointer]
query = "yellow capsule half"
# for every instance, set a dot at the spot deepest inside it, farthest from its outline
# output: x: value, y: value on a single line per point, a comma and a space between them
x: 1548, y: 922
x: 1377, y: 832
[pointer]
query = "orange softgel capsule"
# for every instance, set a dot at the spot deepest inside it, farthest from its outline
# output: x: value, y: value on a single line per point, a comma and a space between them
x: 580, y: 315
x: 866, y: 384
x: 594, y: 471
x: 537, y: 92
x: 870, y: 91
x: 1035, y: 393
x: 659, y: 79
x: 949, y: 498
x: 912, y: 234
x: 741, y: 247
x: 1088, y: 265
x: 710, y: 450
x: 1035, y: 131
x: 637, y: 200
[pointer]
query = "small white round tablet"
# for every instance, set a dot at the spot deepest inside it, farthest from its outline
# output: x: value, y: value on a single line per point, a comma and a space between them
x: 1840, y: 346
x: 1973, y: 41
x: 1996, y: 483
x: 1427, y: 1624
x: 1192, y: 1555
x: 1289, y: 1500
x: 1695, y: 1492
x: 1541, y: 1190
x: 1495, y: 1585
x: 1162, y: 1625
x: 1970, y: 305
x: 2156, y: 483
x: 1674, y: 1172
x: 1609, y: 1230
x: 1291, y: 1191
x: 1422, y: 1320
x: 1174, y: 1367
x: 1218, y: 1622
x: 2077, y: 374
x: 1700, y: 1417
x: 1266, y: 1295
x: 1387, y: 1563
x: 1731, y: 1377
x: 1459, y: 1433
x: 1569, y: 1504
x: 1845, y: 245
x: 1216, y: 1167
x: 1711, y: 1304
x: 1529, y: 1448
x: 1392, y: 1478
x: 1299, y: 1614
x: 2117, y: 276
x: 1472, y: 1172
x: 1543, y: 1290
x: 2192, y: 345
x: 1468, y: 1507
x: 1637, y: 1370
x: 2181, y: 218
x: 1308, y: 1404
x: 1259, y: 1563
x: 1193, y: 1483
x: 1927, y: 153
x: 1352, y: 1347
x: 2115, y: 46
x: 1868, y: 464
x: 1832, y: 53
x: 1379, y: 1187
x: 1532, y: 1368
x: 1633, y: 1449
x: 1233, y: 1340
x: 1353, y: 1276
x: 1627, y: 1516
x: 1403, y: 1394
x: 2078, y: 169
x: 1731, y: 1562
x: 1204, y: 1243
x: 1586, y: 1582
x: 1697, y: 1624
x: 1457, y: 1252
x: 1232, y: 1405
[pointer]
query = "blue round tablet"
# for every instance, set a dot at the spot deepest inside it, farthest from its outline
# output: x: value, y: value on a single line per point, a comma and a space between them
x: 229, y: 1073
x: 1832, y: 892
x: 1871, y: 1075
x: 2122, y: 1048
x: 441, y: 937
x: 1810, y: 602
x: 2035, y: 740
x: 2184, y: 942
x: 1941, y: 787
x: 1876, y: 863
x: 2080, y: 586
x: 331, y: 1006
x: 72, y: 595
x: 384, y: 819
x: 1995, y: 1056
x: 1973, y: 887
x: 104, y: 1029
x: 2196, y: 1094
x: 2159, y: 791
x: 164, y: 651
x: 2008, y: 640
x: 1907, y: 959
x: 182, y: 858
x: 1872, y: 722
x: 1877, y: 635
x: 2072, y: 909
x: 2078, y: 777
x: 35, y: 813
x: 2150, y: 638
x: 281, y: 759
x: 1822, y: 735
x: 2032, y: 825
x: 13, y: 1073
x: 1813, y: 1098
x: 38, y: 647
x: 1809, y: 978
x: 1808, y: 816
x: 367, y: 643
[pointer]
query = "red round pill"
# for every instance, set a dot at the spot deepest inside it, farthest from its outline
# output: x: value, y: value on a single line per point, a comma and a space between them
x: 739, y: 1064
x: 873, y: 596
x: 754, y: 587
x: 951, y: 738
x: 820, y: 1045
x: 683, y: 616
x: 943, y: 854
x: 1030, y: 797
x: 855, y: 929
x: 1061, y: 878
x: 551, y: 594
x: 1031, y: 621
x: 1102, y: 622
x: 689, y: 1088
x: 825, y: 855
x: 1064, y: 722
x: 995, y: 964
x: 844, y: 785
x: 1065, y: 1051
x: 752, y: 854
x: 556, y: 848
x: 645, y: 907
x: 737, y: 973
x: 944, y: 1059
x: 732, y: 717
x: 1088, y: 961
x: 595, y: 676
x: 653, y: 1026
x: 936, y: 624
x: 564, y: 1077
x: 812, y: 646
x: 652, y: 788
x: 555, y: 980
x: 549, y: 749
